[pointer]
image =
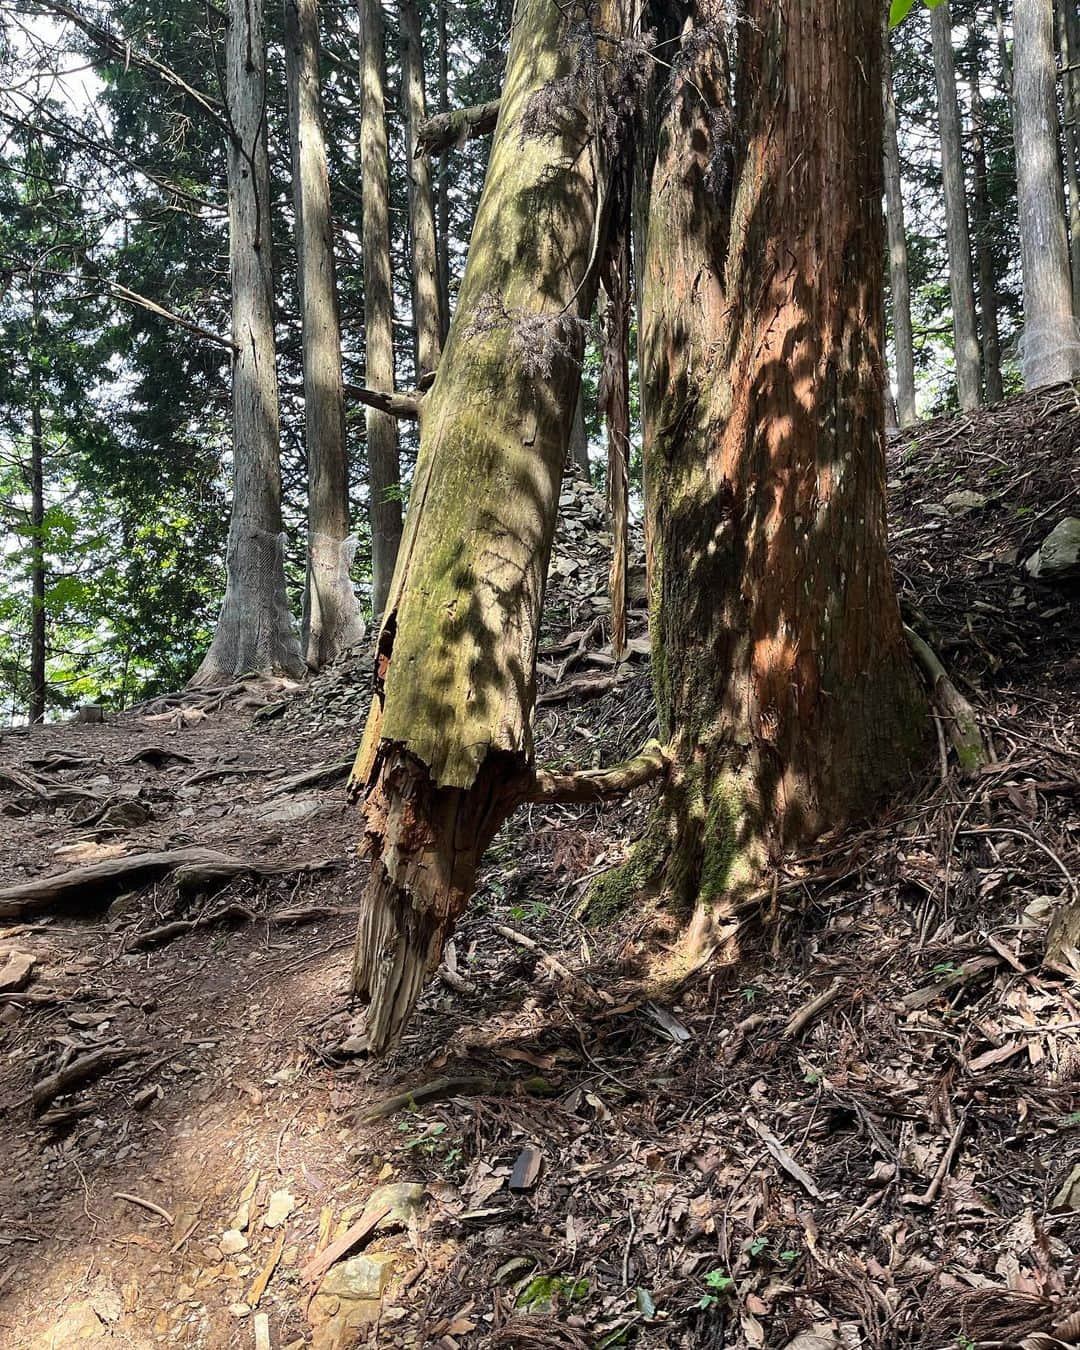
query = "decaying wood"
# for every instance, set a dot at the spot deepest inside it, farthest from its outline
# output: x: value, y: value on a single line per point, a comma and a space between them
x: 446, y: 130
x: 599, y: 785
x: 447, y: 748
x: 956, y: 712
x: 96, y: 882
x: 437, y: 1090
x: 79, y: 1071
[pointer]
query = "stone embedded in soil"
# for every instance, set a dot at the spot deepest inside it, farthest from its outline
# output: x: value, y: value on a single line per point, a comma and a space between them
x: 280, y: 1207
x: 233, y: 1242
x: 405, y: 1199
x: 360, y: 1277
x: 16, y: 971
x: 1058, y: 556
x: 964, y: 500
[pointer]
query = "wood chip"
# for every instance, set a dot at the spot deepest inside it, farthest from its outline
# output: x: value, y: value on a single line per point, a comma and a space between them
x: 526, y: 1169
x: 258, y: 1285
x: 784, y: 1158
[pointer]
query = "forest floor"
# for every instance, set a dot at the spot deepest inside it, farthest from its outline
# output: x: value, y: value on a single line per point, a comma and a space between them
x: 858, y: 1123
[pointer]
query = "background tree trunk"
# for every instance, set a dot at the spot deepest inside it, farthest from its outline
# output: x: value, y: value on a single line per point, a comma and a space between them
x: 38, y: 631
x: 448, y: 745
x: 332, y: 621
x: 579, y: 440
x: 779, y: 660
x: 899, y: 276
x: 958, y: 235
x: 384, y: 469
x: 1051, y: 348
x: 1069, y: 47
x: 443, y: 237
x: 425, y: 262
x: 254, y: 631
x: 984, y: 239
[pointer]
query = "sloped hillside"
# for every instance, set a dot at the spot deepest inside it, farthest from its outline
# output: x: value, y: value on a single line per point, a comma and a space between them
x: 857, y: 1123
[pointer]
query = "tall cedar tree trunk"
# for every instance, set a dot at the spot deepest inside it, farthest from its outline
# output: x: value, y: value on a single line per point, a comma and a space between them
x: 779, y: 658
x: 957, y: 233
x: 1051, y: 350
x: 578, y: 458
x: 425, y: 261
x: 254, y: 631
x: 38, y: 634
x: 899, y: 275
x: 981, y: 225
x: 443, y: 198
x: 384, y: 469
x: 1069, y: 48
x: 332, y: 622
x: 447, y: 750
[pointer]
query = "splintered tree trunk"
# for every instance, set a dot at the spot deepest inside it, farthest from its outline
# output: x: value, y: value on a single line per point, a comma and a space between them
x: 779, y: 660
x: 332, y: 621
x: 980, y: 220
x: 899, y: 275
x: 447, y: 750
x: 384, y: 469
x: 957, y: 232
x: 425, y: 261
x: 1051, y: 350
x: 254, y: 631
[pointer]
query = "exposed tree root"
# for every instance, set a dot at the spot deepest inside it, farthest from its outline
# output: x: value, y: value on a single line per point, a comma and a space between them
x: 195, y: 869
x: 955, y: 711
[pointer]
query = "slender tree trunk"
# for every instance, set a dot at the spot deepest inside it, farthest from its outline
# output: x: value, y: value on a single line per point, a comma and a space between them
x: 254, y: 631
x: 981, y: 224
x: 899, y: 276
x: 332, y: 621
x: 1051, y: 347
x: 425, y: 263
x: 779, y: 660
x: 958, y: 236
x: 384, y: 469
x: 444, y: 176
x: 1004, y: 55
x: 38, y: 634
x: 448, y: 746
x: 1069, y: 47
x: 579, y: 439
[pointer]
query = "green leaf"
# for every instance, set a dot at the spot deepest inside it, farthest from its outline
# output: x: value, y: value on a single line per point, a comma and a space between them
x: 898, y: 11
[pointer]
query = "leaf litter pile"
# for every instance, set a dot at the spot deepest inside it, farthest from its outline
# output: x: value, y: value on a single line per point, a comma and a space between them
x: 855, y: 1120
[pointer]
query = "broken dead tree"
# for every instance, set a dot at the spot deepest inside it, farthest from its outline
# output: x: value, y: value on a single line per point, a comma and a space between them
x: 446, y: 130
x: 445, y: 758
x: 93, y: 884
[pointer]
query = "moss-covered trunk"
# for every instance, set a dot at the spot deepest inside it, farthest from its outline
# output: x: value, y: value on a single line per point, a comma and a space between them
x: 448, y: 743
x: 780, y: 665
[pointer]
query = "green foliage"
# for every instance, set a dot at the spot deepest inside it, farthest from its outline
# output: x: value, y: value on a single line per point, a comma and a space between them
x: 900, y: 9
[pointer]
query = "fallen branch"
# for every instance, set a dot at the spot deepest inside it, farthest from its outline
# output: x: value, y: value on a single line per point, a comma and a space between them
x: 406, y: 406
x: 956, y: 712
x: 802, y: 1017
x: 79, y: 1071
x: 95, y: 882
x: 324, y: 775
x: 449, y: 129
x: 365, y: 1224
x: 586, y: 686
x: 600, y: 785
x: 437, y: 1090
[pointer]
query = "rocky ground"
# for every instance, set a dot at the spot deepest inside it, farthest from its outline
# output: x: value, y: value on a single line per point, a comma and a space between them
x: 857, y: 1124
